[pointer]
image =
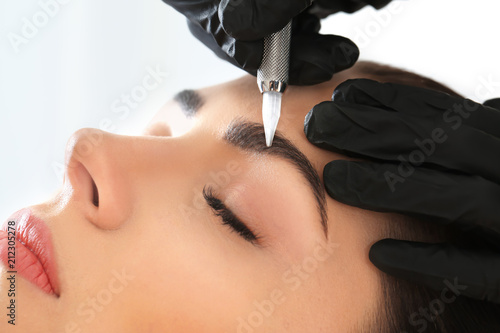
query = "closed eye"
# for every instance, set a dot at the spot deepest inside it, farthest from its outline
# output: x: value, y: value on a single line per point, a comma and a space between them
x: 227, y: 216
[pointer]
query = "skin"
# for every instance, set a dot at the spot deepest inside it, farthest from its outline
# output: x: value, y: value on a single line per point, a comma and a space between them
x: 186, y: 271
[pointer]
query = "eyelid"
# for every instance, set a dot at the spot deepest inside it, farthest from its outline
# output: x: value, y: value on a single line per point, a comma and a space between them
x: 228, y: 217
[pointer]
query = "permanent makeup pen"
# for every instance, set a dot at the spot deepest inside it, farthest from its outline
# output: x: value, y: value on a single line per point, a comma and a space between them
x: 272, y: 78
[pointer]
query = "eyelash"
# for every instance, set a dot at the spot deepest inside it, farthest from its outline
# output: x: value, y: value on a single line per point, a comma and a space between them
x: 227, y: 216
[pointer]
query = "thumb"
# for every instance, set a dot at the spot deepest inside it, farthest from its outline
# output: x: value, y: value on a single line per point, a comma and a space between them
x: 255, y: 19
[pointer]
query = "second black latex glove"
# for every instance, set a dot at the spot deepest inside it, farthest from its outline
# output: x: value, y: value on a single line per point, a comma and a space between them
x: 234, y: 31
x: 429, y: 155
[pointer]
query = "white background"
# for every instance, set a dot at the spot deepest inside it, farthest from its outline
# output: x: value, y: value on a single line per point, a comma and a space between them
x: 69, y: 74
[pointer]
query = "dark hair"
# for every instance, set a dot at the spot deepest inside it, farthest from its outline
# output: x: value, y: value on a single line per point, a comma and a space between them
x: 386, y: 73
x: 407, y: 307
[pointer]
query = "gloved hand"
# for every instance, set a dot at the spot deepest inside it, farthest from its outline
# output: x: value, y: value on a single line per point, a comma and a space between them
x: 430, y: 155
x: 234, y: 30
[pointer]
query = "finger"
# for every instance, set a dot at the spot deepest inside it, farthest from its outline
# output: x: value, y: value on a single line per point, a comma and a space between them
x: 493, y: 103
x: 385, y: 134
x: 420, y: 102
x: 255, y: 19
x: 314, y: 58
x: 305, y: 22
x: 246, y: 55
x: 474, y: 274
x: 426, y: 193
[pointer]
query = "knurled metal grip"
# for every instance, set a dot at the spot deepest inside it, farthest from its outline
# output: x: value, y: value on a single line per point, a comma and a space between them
x: 273, y: 71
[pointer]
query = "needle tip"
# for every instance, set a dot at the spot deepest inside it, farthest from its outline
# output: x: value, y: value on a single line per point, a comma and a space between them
x: 269, y: 132
x: 271, y: 111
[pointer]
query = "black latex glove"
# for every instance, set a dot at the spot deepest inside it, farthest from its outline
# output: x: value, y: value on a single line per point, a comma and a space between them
x: 234, y: 31
x: 453, y: 181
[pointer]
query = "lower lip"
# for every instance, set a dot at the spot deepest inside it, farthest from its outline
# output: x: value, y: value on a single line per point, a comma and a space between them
x: 23, y: 261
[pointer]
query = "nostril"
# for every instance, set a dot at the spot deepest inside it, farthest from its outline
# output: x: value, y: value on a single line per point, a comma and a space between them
x: 95, y: 197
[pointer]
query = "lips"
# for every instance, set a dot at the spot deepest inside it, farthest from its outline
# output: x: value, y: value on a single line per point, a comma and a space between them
x: 34, y: 256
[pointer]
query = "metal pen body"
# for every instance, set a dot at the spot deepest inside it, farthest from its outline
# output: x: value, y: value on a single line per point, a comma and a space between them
x: 272, y: 77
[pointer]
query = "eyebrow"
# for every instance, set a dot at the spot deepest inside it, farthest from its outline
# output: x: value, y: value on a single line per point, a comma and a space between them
x: 190, y: 102
x: 249, y: 136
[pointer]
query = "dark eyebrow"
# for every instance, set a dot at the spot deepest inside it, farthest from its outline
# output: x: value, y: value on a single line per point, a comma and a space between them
x: 249, y: 136
x: 190, y: 101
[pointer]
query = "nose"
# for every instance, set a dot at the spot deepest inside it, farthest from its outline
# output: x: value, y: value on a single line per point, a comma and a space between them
x: 97, y: 169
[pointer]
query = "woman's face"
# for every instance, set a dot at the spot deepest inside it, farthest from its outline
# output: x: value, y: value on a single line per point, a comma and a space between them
x: 155, y: 256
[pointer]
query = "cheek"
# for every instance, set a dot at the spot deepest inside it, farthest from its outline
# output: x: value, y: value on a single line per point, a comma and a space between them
x: 188, y: 265
x: 356, y: 282
x: 334, y: 289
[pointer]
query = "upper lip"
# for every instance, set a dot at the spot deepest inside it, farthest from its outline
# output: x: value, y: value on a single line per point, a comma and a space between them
x: 36, y: 237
